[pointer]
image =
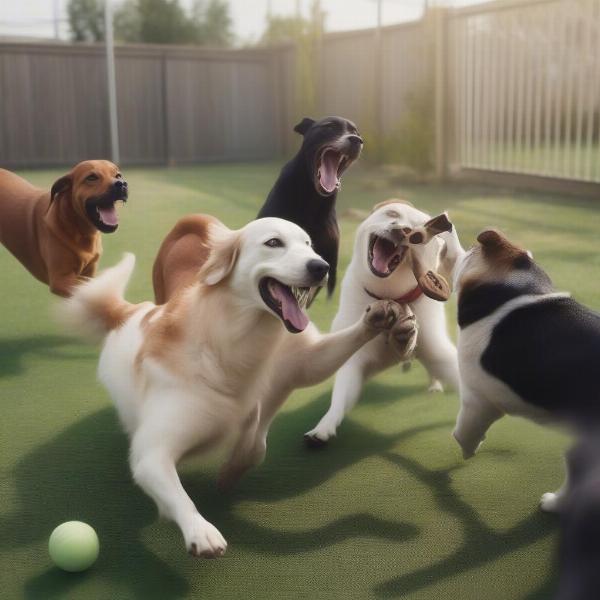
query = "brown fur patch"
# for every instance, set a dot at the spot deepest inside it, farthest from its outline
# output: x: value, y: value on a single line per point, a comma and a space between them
x: 498, y: 249
x: 165, y: 332
x: 181, y: 255
x: 113, y: 313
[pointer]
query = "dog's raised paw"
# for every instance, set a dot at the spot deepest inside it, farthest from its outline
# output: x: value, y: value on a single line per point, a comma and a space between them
x: 403, y: 335
x: 382, y: 315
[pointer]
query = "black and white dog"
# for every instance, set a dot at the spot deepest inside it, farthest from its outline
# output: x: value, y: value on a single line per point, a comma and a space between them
x: 523, y: 348
x: 306, y: 189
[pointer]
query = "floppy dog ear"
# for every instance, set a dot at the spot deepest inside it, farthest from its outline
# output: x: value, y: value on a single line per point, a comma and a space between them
x: 498, y: 247
x: 225, y: 247
x: 61, y: 186
x: 492, y: 238
x: 304, y: 125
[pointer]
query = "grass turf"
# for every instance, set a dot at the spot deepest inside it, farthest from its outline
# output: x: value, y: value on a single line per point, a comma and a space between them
x: 389, y: 509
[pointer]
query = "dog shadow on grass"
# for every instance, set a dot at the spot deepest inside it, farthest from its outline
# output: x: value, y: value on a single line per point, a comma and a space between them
x: 481, y: 544
x: 83, y: 474
x: 15, y: 351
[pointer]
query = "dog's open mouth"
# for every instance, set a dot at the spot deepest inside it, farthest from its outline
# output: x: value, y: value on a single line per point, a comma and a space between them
x: 331, y: 165
x: 102, y: 212
x: 287, y: 302
x: 384, y: 255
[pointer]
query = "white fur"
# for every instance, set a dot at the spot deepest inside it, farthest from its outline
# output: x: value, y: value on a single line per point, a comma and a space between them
x: 111, y: 283
x: 434, y: 347
x: 216, y: 379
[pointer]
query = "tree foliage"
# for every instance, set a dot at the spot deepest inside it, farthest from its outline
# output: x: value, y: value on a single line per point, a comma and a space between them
x: 305, y: 33
x: 86, y: 19
x: 154, y: 22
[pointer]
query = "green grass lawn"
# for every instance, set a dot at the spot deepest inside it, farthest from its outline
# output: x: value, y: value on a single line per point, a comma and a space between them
x: 389, y: 509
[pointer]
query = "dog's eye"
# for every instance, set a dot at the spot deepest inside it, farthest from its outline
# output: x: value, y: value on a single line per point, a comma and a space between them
x: 274, y: 243
x: 119, y: 176
x: 92, y: 177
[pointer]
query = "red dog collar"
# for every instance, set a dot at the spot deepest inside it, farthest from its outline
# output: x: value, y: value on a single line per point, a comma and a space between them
x: 409, y: 297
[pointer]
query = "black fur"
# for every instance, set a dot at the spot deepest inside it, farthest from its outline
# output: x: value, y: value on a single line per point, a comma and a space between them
x: 548, y: 353
x: 296, y: 195
x: 479, y: 301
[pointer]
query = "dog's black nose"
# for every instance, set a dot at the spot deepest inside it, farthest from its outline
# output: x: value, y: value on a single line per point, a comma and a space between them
x: 317, y: 268
x: 120, y: 184
x: 355, y: 140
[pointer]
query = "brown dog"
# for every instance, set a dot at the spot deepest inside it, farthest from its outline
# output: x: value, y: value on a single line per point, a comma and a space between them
x: 55, y: 234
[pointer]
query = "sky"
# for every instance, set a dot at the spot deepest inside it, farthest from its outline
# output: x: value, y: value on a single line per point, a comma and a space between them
x: 35, y: 18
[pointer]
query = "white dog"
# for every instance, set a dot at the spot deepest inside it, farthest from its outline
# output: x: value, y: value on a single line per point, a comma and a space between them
x: 380, y: 268
x: 199, y: 369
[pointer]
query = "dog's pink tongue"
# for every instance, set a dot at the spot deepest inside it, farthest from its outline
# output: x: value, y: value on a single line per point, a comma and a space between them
x: 289, y: 307
x: 109, y: 215
x: 329, y: 166
x: 382, y: 254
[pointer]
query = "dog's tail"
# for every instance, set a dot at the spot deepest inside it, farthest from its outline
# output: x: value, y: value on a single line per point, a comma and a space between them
x: 97, y: 306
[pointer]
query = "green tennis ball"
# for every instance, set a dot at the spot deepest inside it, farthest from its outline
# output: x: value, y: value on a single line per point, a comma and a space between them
x: 74, y: 546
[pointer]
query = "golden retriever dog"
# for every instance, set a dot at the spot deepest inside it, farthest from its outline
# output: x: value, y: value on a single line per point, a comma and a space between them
x: 56, y: 234
x: 200, y: 370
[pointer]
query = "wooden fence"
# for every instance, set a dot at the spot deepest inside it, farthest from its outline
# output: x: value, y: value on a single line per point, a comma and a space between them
x: 505, y: 89
x: 175, y: 105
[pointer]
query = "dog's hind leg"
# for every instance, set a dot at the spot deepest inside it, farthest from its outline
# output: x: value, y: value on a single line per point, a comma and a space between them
x: 249, y: 451
x: 434, y: 348
x: 162, y: 438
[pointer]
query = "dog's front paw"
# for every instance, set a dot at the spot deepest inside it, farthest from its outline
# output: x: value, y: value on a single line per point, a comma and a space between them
x: 204, y: 540
x: 382, y: 315
x: 403, y: 335
x: 551, y: 502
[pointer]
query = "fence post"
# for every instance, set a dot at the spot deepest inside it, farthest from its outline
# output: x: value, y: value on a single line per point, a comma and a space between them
x: 440, y: 69
x: 165, y: 108
x: 111, y: 82
x: 378, y: 87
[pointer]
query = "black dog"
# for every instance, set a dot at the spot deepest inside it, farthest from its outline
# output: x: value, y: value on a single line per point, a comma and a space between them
x: 307, y: 186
